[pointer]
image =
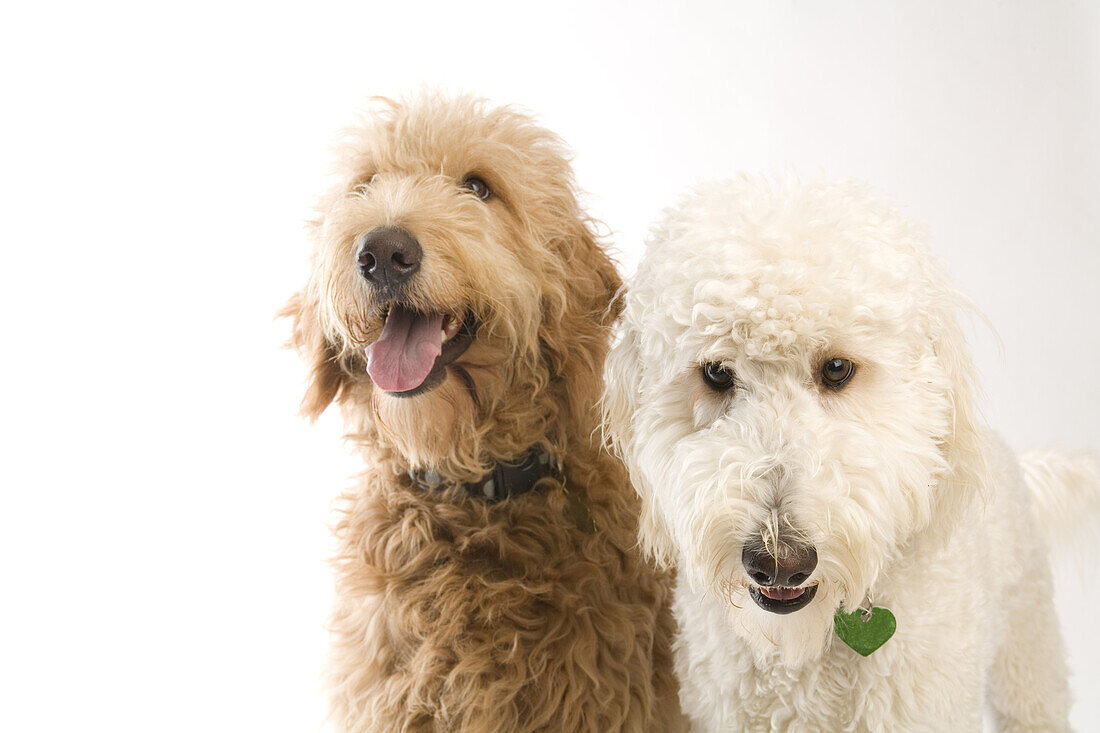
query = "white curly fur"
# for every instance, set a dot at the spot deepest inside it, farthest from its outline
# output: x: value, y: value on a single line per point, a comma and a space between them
x: 910, y: 503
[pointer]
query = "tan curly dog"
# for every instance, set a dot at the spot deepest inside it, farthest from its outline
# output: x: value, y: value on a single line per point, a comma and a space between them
x: 459, y: 311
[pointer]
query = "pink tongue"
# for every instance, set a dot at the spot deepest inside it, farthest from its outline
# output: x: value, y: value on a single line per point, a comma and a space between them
x: 405, y: 352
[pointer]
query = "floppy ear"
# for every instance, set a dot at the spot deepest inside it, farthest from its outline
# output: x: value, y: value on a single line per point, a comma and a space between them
x: 619, y: 406
x: 591, y: 277
x: 579, y: 310
x: 966, y: 445
x: 326, y: 377
x: 602, y: 296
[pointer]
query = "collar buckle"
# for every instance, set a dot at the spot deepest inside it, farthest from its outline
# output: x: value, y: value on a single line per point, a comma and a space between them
x: 504, y: 481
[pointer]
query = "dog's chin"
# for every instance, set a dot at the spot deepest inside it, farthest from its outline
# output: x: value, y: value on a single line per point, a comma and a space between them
x: 791, y: 631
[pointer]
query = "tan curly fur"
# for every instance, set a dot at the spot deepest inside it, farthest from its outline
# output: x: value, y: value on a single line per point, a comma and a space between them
x: 453, y: 613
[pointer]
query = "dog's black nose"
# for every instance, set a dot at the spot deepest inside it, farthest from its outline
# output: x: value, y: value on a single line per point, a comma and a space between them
x: 388, y: 257
x: 792, y: 569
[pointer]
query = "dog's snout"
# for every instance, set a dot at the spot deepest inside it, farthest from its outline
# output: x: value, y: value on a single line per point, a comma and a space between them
x: 793, y: 568
x: 388, y: 257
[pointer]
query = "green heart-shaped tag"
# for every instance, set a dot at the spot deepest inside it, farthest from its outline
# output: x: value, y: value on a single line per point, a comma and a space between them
x: 865, y: 635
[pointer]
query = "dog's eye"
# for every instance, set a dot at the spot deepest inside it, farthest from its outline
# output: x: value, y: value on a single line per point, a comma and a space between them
x: 479, y: 187
x: 717, y: 376
x: 836, y: 372
x: 364, y: 182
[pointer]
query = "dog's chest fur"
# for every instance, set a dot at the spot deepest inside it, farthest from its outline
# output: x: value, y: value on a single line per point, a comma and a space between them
x: 457, y: 612
x: 727, y: 687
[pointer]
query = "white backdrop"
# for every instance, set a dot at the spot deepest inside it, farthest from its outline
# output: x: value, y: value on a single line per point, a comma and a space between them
x: 164, y: 524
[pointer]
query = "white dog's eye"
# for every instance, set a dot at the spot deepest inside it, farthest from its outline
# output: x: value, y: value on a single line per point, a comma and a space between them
x: 479, y: 187
x: 836, y: 372
x: 718, y: 376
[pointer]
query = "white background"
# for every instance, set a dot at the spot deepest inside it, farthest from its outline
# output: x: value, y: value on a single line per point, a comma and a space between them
x: 164, y: 520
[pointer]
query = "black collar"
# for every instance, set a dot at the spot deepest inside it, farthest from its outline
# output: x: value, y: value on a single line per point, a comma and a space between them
x: 505, y: 481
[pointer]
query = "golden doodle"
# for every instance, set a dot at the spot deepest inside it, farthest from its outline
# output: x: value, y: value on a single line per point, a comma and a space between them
x: 459, y: 311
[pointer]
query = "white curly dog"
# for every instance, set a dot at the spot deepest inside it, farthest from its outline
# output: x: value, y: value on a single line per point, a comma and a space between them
x: 795, y: 399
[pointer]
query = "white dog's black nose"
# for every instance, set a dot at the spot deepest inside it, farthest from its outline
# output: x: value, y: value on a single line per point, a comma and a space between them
x: 388, y: 257
x: 765, y: 569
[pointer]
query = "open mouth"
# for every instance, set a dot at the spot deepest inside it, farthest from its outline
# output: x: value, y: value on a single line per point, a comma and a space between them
x: 782, y: 600
x: 413, y: 352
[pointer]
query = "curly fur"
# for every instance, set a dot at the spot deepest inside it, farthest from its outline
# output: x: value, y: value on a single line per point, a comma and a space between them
x: 909, y: 501
x: 454, y: 614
